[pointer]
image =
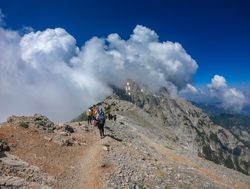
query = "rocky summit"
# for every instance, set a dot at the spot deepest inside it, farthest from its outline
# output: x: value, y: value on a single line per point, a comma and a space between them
x: 158, y: 141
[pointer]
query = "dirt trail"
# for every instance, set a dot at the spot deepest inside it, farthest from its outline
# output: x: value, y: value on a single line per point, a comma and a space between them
x: 91, y: 176
x: 92, y: 168
x: 77, y: 167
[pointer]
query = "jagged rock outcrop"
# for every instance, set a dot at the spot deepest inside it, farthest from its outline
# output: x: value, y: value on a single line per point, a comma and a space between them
x: 192, y: 128
x: 62, y: 134
x: 31, y: 148
x: 15, y: 173
x: 37, y: 120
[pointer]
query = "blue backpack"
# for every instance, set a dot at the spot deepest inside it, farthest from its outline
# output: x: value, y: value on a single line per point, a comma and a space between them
x: 100, y: 116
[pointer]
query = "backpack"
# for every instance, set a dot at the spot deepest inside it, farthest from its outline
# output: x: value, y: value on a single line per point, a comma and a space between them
x: 100, y: 116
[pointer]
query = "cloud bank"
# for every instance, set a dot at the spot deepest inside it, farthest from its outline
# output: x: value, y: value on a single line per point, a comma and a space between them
x: 45, y: 72
x: 231, y: 98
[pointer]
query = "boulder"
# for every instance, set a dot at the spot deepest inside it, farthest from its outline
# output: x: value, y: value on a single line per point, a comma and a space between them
x: 4, y: 146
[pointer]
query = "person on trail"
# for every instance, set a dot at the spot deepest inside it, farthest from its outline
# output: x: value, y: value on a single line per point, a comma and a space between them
x: 93, y: 115
x: 88, y: 116
x: 100, y: 119
x: 108, y: 111
x: 114, y: 117
x: 110, y: 116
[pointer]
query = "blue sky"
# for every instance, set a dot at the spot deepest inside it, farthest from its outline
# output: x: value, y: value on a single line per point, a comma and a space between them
x: 215, y: 33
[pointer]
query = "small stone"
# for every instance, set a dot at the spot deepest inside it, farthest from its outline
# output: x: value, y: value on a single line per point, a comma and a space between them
x: 48, y: 138
x: 103, y: 165
x: 105, y: 148
x: 126, y: 179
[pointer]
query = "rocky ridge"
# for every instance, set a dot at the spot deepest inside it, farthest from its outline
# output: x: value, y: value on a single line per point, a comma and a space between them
x: 146, y: 160
x: 192, y: 129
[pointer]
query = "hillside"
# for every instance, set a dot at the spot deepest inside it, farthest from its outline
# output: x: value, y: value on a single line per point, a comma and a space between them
x: 130, y: 156
x: 141, y: 150
x: 237, y: 124
x: 192, y: 128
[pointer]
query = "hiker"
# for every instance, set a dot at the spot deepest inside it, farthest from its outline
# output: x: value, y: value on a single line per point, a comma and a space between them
x: 114, y: 117
x: 107, y: 111
x: 100, y: 120
x: 88, y: 116
x: 110, y: 116
x: 93, y: 115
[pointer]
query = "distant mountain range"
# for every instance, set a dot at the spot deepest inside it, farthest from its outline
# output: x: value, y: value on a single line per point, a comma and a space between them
x: 237, y: 124
x: 215, y: 109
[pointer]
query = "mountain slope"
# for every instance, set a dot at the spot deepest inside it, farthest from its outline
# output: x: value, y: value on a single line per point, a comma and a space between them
x: 237, y: 124
x: 149, y: 157
x: 192, y: 128
x: 134, y: 154
x: 153, y: 144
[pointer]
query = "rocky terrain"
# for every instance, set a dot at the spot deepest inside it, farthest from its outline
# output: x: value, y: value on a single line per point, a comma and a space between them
x: 146, y: 160
x: 238, y: 125
x: 154, y: 143
x: 193, y: 129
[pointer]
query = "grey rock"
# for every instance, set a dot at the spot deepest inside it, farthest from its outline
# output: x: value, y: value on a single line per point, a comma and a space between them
x: 4, y: 146
x: 68, y: 128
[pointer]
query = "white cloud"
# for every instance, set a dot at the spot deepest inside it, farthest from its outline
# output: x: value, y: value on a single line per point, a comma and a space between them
x: 143, y: 34
x: 52, y: 44
x: 36, y: 76
x: 45, y: 72
x: 217, y: 82
x: 231, y: 98
x: 189, y: 89
x: 142, y: 55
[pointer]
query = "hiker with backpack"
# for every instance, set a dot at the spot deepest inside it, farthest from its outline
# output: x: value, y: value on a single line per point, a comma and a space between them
x: 88, y: 116
x: 93, y: 115
x: 100, y: 120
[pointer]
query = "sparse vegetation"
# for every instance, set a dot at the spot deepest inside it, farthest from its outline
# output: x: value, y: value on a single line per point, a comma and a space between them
x: 231, y: 120
x: 238, y: 168
x: 229, y: 163
x: 24, y: 124
x: 210, y: 154
x: 214, y: 138
x: 141, y: 185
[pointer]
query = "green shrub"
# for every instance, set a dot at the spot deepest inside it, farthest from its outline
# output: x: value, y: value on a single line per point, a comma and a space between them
x: 215, y: 138
x: 229, y: 163
x: 24, y: 125
x: 210, y: 154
